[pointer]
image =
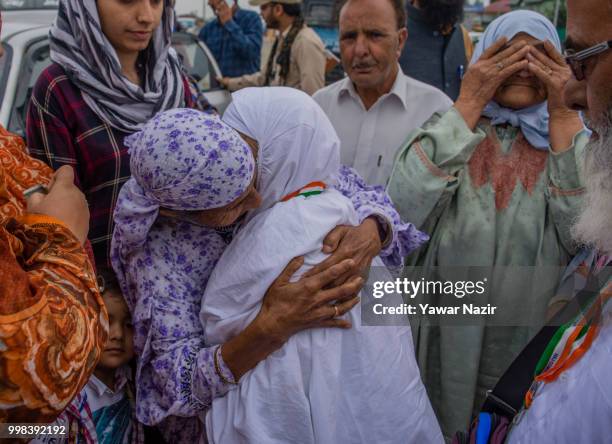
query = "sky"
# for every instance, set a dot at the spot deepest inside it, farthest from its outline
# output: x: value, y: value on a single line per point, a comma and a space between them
x: 187, y: 6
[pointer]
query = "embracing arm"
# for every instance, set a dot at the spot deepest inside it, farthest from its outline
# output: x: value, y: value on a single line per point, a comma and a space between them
x: 568, y: 139
x: 178, y: 374
x: 566, y: 187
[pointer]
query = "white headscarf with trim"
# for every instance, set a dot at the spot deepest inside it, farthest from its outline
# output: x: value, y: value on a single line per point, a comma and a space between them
x: 297, y: 142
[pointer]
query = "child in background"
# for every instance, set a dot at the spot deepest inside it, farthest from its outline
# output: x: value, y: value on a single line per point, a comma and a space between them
x: 104, y: 411
x: 108, y: 393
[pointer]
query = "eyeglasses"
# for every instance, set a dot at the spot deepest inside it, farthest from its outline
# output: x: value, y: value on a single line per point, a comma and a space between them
x: 577, y: 60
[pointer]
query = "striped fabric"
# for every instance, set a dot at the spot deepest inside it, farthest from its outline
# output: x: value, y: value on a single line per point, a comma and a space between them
x: 62, y: 129
x: 79, y: 45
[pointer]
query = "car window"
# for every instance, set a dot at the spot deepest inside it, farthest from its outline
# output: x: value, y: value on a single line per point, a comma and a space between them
x: 28, y: 4
x: 35, y: 60
x: 195, y: 61
x: 321, y: 13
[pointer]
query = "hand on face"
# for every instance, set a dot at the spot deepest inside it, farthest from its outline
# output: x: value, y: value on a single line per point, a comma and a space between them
x: 483, y: 78
x: 221, y: 10
x: 495, y: 66
x: 552, y: 70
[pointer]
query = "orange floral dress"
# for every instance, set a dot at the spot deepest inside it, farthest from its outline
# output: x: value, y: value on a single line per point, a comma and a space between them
x: 53, y: 324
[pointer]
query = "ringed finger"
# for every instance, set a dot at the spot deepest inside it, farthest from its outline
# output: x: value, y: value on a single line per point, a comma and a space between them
x: 553, y: 53
x: 345, y: 307
x: 334, y: 311
x: 544, y: 61
x: 499, y: 67
x: 343, y: 292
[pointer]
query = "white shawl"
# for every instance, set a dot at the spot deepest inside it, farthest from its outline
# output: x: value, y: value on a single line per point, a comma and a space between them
x: 323, y: 385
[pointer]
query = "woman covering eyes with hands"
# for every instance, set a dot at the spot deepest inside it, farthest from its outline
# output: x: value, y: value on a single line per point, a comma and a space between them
x: 496, y: 182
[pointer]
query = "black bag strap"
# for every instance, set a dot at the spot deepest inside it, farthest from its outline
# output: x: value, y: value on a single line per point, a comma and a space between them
x: 507, y: 396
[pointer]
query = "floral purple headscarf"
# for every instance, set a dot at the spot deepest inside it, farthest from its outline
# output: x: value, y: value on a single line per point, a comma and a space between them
x: 182, y: 159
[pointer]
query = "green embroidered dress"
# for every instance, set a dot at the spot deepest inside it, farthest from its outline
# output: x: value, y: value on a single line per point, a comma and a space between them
x: 486, y: 197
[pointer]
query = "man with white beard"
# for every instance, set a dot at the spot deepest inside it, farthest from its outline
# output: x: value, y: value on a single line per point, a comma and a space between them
x: 593, y: 227
x: 570, y: 400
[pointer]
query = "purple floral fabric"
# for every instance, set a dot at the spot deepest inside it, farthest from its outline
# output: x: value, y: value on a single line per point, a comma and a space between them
x: 182, y: 160
x: 176, y: 374
x: 165, y: 265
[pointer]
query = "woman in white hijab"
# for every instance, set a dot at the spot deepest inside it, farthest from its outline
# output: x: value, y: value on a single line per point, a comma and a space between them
x: 325, y: 385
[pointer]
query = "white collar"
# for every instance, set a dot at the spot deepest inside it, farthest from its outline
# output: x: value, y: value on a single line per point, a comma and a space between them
x: 398, y: 89
x: 101, y: 388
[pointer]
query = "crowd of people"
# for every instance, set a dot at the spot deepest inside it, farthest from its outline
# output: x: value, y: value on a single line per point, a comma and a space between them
x: 169, y: 274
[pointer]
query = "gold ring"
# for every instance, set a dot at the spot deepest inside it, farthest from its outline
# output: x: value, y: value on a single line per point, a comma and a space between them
x: 336, y: 314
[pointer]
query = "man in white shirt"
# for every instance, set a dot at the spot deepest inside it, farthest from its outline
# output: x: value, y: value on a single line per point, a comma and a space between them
x: 375, y: 108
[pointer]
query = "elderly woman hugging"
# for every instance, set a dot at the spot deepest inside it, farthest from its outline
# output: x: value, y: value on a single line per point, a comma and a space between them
x: 323, y: 385
x: 193, y: 177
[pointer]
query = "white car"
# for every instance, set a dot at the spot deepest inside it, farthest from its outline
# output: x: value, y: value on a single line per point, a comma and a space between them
x: 25, y: 38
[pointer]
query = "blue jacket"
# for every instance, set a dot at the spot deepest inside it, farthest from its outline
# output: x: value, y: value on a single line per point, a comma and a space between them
x: 237, y: 44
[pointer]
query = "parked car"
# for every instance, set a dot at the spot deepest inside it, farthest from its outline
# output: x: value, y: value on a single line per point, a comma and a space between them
x: 25, y: 37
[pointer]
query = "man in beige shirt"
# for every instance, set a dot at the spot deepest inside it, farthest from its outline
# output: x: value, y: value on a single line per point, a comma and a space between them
x: 298, y: 56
